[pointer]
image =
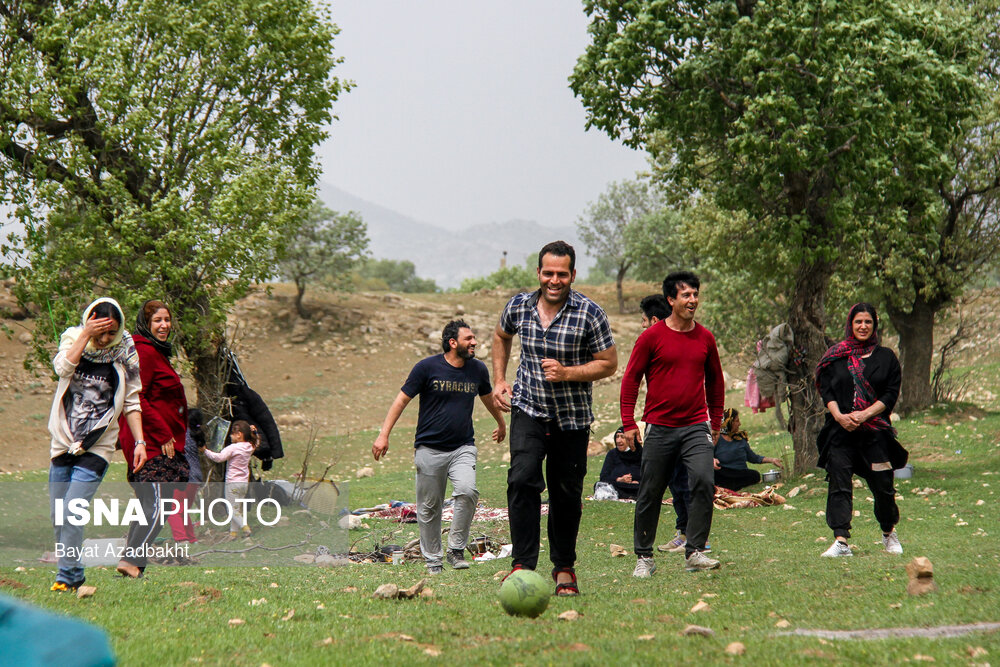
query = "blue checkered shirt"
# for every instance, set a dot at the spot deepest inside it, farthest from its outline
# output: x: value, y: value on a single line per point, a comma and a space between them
x: 579, y: 331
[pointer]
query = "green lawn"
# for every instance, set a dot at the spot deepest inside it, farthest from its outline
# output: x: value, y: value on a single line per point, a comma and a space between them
x: 771, y: 581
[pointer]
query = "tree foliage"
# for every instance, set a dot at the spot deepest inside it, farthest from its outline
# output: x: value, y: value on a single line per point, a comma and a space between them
x: 158, y: 149
x: 393, y: 274
x: 509, y: 277
x: 795, y: 113
x: 325, y: 247
x: 605, y: 224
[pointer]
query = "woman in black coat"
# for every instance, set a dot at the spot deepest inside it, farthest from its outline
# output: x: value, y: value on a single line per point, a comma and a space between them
x: 859, y: 381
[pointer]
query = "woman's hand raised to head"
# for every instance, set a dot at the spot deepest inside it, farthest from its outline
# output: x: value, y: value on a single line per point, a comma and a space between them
x: 96, y: 326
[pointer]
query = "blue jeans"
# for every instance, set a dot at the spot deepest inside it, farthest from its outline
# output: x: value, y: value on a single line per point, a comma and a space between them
x: 68, y: 483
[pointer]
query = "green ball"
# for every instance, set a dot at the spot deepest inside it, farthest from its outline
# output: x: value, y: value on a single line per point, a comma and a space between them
x: 524, y: 593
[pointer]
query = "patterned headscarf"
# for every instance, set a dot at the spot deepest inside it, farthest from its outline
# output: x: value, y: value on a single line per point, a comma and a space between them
x: 855, y: 351
x: 120, y: 350
x: 729, y: 416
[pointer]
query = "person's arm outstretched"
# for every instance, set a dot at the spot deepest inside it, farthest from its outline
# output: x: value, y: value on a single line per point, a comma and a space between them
x: 381, y: 445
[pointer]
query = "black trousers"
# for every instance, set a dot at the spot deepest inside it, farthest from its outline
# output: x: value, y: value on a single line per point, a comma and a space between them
x: 847, y: 459
x: 681, y: 494
x: 533, y: 441
x: 663, y: 450
x: 735, y: 479
x: 140, y: 538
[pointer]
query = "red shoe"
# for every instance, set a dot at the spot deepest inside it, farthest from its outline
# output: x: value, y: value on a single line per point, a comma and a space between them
x: 565, y: 589
x: 512, y: 571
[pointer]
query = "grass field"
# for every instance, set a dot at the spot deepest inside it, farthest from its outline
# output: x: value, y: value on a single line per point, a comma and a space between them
x: 772, y: 581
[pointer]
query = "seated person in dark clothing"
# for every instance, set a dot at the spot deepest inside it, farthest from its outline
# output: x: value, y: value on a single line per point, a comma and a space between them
x: 732, y: 453
x: 621, y: 467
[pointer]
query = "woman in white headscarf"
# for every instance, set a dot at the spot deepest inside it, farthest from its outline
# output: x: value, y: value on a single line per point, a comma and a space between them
x: 98, y: 371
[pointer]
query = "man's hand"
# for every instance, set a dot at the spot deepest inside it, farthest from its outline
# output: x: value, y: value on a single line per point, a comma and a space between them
x: 715, y: 438
x: 715, y: 464
x: 626, y: 478
x: 554, y: 371
x: 168, y: 449
x: 380, y: 447
x: 500, y: 432
x: 776, y: 462
x: 632, y: 438
x: 500, y: 390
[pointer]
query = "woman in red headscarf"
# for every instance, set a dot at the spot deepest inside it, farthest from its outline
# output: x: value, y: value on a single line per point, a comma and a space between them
x: 859, y: 382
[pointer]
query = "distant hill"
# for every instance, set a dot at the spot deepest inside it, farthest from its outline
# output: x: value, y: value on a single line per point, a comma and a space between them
x: 449, y: 256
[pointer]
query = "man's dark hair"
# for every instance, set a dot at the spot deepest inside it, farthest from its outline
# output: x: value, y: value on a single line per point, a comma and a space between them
x: 559, y: 249
x: 672, y: 283
x: 656, y: 306
x: 451, y: 331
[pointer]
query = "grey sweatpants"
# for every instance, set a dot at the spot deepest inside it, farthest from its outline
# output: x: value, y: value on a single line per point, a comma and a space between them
x: 434, y: 469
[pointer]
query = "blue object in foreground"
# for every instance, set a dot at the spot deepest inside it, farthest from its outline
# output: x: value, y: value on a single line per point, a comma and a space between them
x: 32, y: 637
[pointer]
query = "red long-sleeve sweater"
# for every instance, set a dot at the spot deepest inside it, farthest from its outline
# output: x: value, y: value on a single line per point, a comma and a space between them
x: 164, y: 405
x: 683, y: 377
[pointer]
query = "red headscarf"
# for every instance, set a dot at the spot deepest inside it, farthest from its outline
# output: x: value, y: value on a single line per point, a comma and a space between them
x: 855, y: 351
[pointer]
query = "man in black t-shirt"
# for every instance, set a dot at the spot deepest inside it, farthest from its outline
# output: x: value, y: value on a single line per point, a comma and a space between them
x: 445, y: 442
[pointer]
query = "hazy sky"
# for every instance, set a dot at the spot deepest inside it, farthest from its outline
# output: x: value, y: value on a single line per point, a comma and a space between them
x: 462, y: 112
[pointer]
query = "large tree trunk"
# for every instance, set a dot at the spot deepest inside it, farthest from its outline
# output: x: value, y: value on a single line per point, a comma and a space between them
x: 807, y: 317
x: 916, y: 353
x: 209, y: 377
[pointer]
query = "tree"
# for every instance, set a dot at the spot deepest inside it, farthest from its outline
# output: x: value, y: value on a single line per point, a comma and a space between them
x: 657, y: 246
x: 396, y: 275
x: 325, y: 247
x: 158, y: 149
x: 510, y: 277
x: 924, y: 265
x: 794, y: 113
x: 604, y: 224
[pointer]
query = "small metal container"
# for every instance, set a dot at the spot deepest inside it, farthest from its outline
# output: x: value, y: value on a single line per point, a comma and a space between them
x: 906, y: 472
x: 771, y: 476
x: 397, y: 557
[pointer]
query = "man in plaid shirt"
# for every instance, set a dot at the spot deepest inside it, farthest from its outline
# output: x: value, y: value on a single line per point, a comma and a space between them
x: 566, y: 345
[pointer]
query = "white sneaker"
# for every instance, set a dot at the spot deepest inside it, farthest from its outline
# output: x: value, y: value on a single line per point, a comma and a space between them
x: 837, y: 550
x: 644, y: 568
x: 699, y: 561
x: 891, y: 543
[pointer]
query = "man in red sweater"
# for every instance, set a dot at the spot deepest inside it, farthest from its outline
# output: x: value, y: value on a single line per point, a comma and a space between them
x: 685, y: 394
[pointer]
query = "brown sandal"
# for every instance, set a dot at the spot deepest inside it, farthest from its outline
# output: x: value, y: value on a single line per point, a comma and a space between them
x: 128, y: 570
x: 568, y: 588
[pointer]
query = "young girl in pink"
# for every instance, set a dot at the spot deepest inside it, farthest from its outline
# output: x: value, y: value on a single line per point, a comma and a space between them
x: 244, y: 441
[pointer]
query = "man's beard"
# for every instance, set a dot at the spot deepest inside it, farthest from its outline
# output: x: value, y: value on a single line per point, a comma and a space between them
x: 465, y: 353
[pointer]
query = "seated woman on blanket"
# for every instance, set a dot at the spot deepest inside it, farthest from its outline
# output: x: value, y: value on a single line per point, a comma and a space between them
x: 621, y: 466
x: 732, y: 453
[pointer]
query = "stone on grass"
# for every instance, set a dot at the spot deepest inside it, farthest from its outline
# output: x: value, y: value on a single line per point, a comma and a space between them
x: 86, y: 591
x: 698, y: 630
x: 736, y: 648
x: 921, y: 573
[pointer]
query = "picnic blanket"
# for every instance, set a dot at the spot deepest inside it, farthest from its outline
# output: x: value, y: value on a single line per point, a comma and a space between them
x: 727, y: 499
x: 407, y: 513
